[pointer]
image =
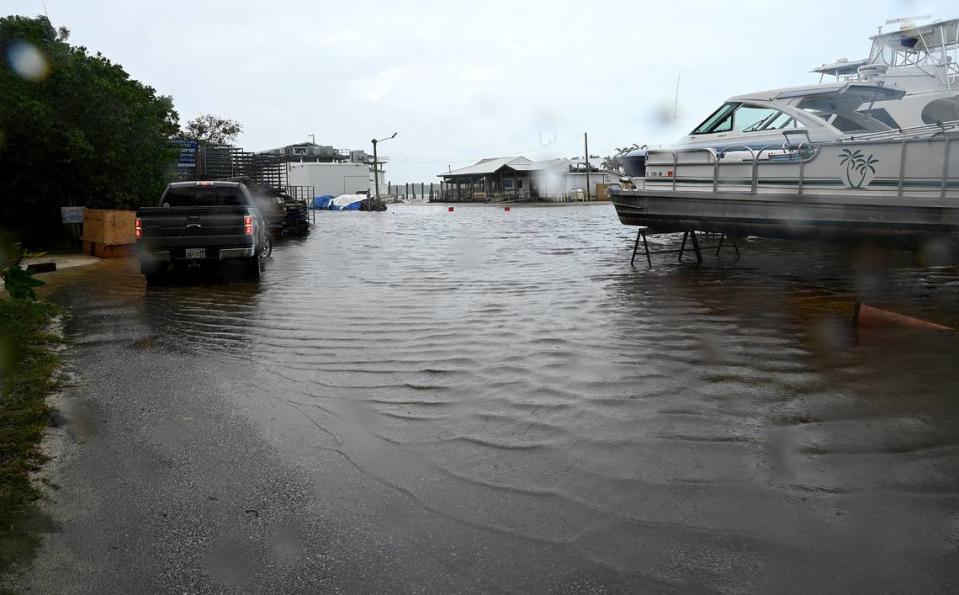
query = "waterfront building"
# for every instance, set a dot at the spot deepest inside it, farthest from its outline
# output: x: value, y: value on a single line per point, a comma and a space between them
x: 522, y: 179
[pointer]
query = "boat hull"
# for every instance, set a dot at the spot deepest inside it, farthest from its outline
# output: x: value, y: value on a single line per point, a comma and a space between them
x: 820, y: 218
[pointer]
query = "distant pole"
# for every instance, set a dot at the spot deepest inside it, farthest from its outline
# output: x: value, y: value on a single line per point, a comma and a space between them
x: 376, y: 172
x: 586, y: 148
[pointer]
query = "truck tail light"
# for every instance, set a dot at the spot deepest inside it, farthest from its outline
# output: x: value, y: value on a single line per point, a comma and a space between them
x: 248, y: 225
x: 139, y: 228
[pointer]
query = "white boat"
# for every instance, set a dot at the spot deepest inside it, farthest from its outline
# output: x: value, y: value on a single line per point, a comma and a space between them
x: 910, y: 79
x: 818, y: 161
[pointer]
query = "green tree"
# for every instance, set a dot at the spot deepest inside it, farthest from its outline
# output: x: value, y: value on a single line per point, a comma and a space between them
x: 75, y: 129
x: 207, y: 129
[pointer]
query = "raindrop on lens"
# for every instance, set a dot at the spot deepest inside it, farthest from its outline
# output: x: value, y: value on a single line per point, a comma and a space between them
x: 27, y: 61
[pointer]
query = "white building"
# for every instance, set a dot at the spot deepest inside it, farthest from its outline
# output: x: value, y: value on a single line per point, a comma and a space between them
x: 334, y: 178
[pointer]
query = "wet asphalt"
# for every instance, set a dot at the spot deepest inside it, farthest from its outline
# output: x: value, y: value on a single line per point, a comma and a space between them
x: 166, y: 488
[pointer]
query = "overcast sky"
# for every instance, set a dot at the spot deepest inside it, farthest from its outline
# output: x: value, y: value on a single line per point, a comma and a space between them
x: 465, y: 80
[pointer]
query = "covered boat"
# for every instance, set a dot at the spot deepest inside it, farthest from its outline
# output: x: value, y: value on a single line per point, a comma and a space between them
x: 322, y: 201
x: 347, y: 202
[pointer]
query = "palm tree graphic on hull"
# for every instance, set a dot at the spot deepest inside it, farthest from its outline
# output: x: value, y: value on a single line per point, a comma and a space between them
x: 859, y: 167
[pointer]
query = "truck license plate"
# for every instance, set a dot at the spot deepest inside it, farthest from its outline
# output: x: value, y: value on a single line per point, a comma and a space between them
x: 196, y: 252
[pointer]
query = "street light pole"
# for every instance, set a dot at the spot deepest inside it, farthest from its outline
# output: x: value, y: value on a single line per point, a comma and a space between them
x: 376, y: 172
x: 376, y: 164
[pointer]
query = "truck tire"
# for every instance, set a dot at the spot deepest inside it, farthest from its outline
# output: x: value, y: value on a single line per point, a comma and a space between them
x: 254, y: 267
x: 154, y: 274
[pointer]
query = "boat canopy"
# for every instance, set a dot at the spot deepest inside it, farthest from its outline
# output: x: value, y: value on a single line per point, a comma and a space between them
x: 845, y: 91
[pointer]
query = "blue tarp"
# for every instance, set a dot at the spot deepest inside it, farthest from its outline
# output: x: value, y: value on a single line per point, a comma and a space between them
x: 322, y: 202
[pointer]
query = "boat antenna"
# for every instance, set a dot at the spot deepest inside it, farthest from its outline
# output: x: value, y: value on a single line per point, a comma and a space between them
x: 679, y: 75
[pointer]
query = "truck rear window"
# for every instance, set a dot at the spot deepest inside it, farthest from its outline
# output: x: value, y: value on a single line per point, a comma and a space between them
x: 203, y: 196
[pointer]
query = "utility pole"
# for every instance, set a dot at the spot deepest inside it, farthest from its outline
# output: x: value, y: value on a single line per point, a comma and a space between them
x: 313, y: 137
x: 586, y: 148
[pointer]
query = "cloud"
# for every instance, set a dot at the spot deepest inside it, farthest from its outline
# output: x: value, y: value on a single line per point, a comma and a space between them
x: 460, y: 80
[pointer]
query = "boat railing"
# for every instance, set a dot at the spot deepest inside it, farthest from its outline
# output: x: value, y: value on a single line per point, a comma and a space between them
x: 676, y: 153
x: 734, y: 149
x: 804, y: 153
x: 923, y: 130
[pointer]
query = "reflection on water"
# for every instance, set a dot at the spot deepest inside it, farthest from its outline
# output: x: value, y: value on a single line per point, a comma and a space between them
x: 512, y: 373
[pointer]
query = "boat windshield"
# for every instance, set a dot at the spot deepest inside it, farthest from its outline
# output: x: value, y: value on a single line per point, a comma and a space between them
x: 718, y: 117
x: 745, y: 117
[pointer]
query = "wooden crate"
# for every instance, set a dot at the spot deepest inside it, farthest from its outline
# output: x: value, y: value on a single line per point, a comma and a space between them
x: 109, y: 234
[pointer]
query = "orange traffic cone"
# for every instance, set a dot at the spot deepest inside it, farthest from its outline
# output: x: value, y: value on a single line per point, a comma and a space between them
x: 868, y: 316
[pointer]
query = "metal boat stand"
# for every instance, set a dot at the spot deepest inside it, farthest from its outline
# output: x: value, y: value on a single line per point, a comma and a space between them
x: 689, y: 235
x: 641, y: 233
x: 731, y: 239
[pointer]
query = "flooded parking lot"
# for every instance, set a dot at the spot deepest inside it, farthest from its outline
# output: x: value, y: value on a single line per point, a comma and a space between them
x: 499, y: 399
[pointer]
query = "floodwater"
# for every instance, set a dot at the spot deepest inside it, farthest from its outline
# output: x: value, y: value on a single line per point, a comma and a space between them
x: 519, y: 403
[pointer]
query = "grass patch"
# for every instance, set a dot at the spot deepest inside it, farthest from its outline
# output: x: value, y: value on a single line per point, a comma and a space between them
x: 27, y: 366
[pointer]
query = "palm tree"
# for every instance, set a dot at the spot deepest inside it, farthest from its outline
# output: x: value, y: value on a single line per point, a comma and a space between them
x: 615, y: 162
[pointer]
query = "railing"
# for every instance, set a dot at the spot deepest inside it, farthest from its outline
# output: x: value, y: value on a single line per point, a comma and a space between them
x: 801, y: 150
x: 711, y: 152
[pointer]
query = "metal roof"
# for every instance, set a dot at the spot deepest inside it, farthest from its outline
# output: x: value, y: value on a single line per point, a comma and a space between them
x: 541, y: 165
x: 491, y: 165
x: 487, y: 166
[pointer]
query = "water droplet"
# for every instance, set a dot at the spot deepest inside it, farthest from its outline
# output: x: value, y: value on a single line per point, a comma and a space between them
x: 27, y: 61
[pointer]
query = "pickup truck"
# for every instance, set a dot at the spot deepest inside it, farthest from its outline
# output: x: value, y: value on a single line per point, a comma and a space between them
x: 200, y: 223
